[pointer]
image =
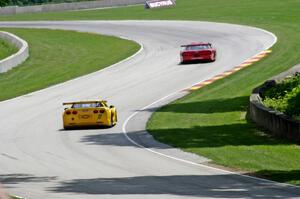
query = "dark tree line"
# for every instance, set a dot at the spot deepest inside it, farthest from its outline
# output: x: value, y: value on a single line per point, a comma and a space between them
x: 32, y: 2
x: 4, y: 3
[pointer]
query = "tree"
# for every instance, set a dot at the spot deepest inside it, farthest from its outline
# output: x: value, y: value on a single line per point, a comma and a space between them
x: 3, y: 3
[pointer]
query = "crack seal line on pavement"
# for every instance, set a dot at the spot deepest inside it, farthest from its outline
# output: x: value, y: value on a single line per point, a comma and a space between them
x: 187, y: 161
x: 246, y: 63
x: 182, y: 160
x: 84, y: 76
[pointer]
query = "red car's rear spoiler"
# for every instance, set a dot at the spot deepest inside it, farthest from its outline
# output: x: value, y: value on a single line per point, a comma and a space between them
x: 195, y: 44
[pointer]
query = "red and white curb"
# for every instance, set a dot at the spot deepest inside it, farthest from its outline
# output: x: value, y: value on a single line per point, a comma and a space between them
x: 124, y: 130
x: 245, y: 64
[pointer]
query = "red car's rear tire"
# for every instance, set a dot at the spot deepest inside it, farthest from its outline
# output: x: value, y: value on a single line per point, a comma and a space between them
x: 213, y: 57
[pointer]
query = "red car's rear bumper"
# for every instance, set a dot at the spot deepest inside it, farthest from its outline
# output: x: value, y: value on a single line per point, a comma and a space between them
x: 193, y: 58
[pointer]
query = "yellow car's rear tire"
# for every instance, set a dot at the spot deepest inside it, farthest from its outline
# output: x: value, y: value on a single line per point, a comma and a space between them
x: 112, y: 123
x: 66, y: 128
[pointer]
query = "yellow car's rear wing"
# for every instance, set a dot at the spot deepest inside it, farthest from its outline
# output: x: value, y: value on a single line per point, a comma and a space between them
x: 83, y: 102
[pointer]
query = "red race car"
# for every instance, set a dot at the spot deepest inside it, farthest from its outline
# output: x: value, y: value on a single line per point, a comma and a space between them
x: 197, y: 52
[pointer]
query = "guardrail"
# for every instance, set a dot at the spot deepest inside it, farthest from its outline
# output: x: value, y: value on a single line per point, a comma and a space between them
x: 277, y: 123
x: 17, y: 58
x: 11, y: 10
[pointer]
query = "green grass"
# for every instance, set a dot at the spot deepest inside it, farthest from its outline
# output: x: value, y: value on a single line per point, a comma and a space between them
x: 55, y: 57
x: 211, y: 121
x: 214, y: 10
x: 6, y: 49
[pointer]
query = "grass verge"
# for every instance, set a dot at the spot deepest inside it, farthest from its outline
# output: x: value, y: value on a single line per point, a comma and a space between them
x: 55, y: 57
x: 6, y: 49
x: 211, y: 121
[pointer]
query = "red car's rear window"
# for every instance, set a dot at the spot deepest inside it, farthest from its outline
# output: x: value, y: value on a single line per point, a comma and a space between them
x: 198, y: 47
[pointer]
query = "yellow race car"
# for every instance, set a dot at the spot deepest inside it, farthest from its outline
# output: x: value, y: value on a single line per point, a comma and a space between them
x: 89, y: 113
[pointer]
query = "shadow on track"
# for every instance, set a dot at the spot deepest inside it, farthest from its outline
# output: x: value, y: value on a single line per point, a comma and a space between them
x: 195, y: 62
x: 118, y: 139
x: 217, y: 186
x: 17, y: 178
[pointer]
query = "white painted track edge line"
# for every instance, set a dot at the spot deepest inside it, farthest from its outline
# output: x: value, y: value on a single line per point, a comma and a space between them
x: 135, y: 113
x: 273, y: 43
x: 84, y: 76
x: 190, y: 162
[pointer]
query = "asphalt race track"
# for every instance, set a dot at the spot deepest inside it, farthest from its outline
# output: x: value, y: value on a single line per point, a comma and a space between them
x: 39, y: 160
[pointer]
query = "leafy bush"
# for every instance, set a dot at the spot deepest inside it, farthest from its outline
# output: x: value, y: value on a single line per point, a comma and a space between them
x: 285, y: 96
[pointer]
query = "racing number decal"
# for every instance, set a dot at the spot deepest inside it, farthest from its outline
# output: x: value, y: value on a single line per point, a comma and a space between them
x: 99, y: 116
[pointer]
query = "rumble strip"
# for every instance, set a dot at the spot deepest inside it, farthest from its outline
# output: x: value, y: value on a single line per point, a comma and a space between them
x: 245, y: 64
